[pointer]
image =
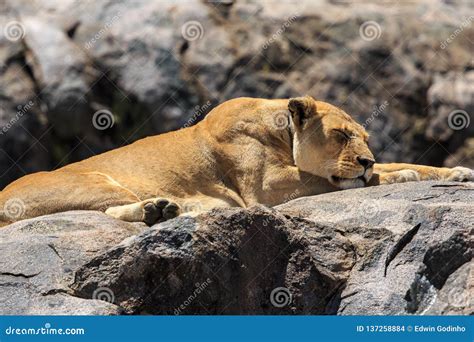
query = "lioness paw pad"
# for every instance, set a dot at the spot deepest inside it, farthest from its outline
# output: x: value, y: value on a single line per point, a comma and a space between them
x: 460, y: 174
x: 160, y: 210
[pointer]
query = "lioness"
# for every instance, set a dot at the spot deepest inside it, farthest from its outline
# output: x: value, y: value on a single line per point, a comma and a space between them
x: 245, y: 151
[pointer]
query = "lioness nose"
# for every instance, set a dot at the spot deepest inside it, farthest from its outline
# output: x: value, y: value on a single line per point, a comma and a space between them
x: 365, y: 162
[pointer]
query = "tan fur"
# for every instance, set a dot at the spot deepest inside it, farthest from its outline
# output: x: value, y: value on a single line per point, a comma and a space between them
x: 245, y: 151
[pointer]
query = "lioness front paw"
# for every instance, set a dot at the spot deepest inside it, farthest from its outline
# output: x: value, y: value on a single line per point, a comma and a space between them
x: 159, y: 210
x: 460, y: 174
x: 401, y: 176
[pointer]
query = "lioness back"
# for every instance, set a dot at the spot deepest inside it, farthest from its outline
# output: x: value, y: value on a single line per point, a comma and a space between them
x: 177, y: 164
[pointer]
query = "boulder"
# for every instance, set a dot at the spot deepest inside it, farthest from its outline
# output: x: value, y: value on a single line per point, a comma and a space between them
x: 410, y: 239
x: 225, y: 262
x: 388, y: 250
x: 39, y: 257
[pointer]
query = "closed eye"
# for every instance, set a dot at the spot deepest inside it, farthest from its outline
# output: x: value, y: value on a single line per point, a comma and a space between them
x: 344, y: 134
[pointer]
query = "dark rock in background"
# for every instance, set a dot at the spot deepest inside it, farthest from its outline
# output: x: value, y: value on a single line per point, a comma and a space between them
x: 345, y: 253
x: 158, y: 66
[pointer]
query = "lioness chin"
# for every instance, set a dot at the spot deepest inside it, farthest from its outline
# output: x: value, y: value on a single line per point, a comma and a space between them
x: 245, y: 151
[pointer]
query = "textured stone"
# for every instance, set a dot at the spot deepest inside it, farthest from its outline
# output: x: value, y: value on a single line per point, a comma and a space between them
x: 39, y: 257
x: 375, y: 219
x: 394, y: 249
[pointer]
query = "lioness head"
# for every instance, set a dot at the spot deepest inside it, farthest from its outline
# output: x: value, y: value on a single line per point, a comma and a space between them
x: 329, y: 143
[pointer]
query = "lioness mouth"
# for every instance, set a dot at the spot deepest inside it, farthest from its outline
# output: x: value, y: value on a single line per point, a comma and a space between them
x: 337, y: 179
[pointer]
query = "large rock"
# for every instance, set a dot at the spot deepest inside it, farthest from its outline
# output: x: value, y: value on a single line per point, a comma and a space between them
x: 336, y: 253
x: 396, y: 249
x: 224, y: 262
x: 414, y: 245
x: 39, y: 257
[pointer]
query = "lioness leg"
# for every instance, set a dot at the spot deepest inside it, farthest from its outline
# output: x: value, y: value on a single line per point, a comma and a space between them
x: 155, y: 210
x: 150, y: 211
x: 52, y: 192
x: 400, y: 172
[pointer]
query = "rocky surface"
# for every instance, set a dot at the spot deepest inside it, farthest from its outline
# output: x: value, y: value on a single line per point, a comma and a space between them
x: 40, y: 256
x: 395, y: 273
x: 395, y: 249
x: 401, y: 69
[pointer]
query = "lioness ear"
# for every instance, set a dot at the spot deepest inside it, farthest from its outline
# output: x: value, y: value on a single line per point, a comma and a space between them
x: 301, y: 108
